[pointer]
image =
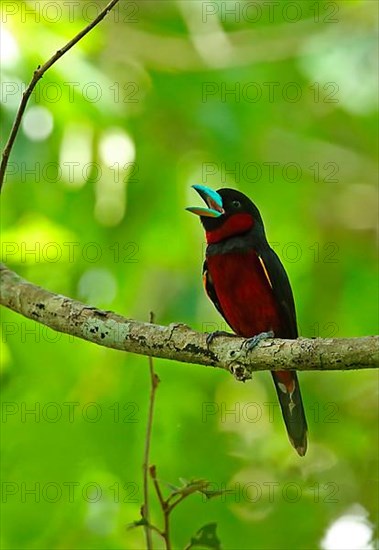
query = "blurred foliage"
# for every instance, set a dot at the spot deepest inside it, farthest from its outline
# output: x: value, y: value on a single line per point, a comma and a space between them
x: 276, y: 99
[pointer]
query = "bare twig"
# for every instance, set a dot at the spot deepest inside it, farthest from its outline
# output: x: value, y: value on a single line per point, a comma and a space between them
x: 178, y: 342
x: 146, y: 511
x: 164, y: 507
x: 38, y: 74
x: 176, y: 502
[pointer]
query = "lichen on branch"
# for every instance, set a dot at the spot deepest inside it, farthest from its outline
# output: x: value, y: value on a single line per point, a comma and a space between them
x: 177, y: 341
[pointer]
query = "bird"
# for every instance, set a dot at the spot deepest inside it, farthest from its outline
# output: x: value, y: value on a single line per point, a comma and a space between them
x: 248, y: 285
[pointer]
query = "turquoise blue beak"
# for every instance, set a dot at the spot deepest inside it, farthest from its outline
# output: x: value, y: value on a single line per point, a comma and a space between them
x: 212, y: 199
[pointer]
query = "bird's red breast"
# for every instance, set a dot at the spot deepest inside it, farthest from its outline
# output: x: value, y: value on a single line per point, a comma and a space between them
x: 244, y: 292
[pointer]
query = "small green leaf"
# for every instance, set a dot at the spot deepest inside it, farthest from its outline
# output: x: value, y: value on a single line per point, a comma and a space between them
x: 212, y: 494
x: 173, y: 488
x: 189, y: 487
x: 206, y: 537
x: 195, y: 486
x: 138, y: 523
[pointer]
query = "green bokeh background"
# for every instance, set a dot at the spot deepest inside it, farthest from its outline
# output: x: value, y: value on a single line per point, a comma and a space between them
x: 299, y: 136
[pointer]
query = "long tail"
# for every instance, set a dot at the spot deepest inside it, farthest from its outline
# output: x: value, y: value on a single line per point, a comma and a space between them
x: 288, y: 390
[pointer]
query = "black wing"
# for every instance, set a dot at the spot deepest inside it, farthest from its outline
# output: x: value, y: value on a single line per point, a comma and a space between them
x: 288, y: 390
x: 281, y: 288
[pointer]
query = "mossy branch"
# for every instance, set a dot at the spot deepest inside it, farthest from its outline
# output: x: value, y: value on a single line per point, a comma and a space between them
x: 178, y: 342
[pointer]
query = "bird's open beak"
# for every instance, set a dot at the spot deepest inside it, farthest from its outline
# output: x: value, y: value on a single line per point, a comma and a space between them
x: 212, y: 199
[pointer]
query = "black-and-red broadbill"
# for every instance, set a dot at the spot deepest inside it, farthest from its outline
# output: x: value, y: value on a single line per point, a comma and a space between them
x: 249, y: 286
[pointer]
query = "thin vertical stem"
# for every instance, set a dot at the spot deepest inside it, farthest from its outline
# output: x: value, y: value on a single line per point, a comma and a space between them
x: 145, y: 508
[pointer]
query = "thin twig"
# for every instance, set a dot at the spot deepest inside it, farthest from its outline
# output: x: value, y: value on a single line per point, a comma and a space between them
x: 146, y: 511
x: 157, y: 530
x: 174, y: 504
x: 167, y: 536
x: 153, y: 474
x: 38, y: 74
x: 164, y: 506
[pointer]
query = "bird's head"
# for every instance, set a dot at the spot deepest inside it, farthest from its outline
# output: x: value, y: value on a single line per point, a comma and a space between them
x: 229, y: 213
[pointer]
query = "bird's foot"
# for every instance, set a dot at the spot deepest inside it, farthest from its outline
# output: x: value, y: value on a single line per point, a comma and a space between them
x: 211, y: 336
x: 251, y: 343
x: 241, y: 371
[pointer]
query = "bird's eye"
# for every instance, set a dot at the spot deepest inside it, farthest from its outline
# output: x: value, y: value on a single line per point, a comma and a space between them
x: 236, y: 204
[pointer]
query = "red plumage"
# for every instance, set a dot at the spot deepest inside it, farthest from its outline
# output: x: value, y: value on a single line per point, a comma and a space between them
x: 244, y: 293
